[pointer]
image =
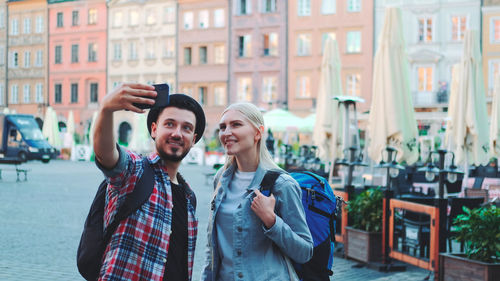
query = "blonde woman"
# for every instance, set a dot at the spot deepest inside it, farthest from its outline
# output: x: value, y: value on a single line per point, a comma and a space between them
x: 252, y: 236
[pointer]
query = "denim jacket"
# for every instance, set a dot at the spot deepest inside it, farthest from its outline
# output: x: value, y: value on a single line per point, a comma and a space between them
x: 259, y: 253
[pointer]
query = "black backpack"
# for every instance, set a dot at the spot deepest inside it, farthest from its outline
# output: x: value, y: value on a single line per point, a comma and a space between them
x: 94, y: 238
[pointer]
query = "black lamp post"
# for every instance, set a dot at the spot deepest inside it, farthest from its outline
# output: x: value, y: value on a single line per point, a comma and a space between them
x: 354, y: 161
x: 449, y: 174
x: 270, y: 141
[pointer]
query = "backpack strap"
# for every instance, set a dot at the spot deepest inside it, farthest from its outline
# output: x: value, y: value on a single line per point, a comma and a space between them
x: 267, y: 183
x: 142, y: 190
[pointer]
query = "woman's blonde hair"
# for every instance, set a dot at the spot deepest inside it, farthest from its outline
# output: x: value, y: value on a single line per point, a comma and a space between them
x: 252, y: 114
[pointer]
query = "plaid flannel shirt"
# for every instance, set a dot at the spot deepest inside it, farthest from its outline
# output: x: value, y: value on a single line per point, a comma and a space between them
x: 139, y: 247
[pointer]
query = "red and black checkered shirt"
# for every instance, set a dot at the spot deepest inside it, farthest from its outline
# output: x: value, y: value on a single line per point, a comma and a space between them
x: 139, y: 247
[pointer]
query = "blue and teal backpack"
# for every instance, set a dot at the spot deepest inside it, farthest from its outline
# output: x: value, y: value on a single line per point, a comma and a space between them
x: 320, y: 206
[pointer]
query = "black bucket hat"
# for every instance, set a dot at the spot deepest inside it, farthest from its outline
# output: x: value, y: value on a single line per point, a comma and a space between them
x: 180, y: 101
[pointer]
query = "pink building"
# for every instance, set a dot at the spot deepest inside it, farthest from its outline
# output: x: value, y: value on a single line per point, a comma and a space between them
x: 202, y: 57
x: 350, y: 22
x: 77, y: 58
x: 258, y: 48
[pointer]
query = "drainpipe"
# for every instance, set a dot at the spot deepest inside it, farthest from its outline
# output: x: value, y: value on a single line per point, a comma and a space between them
x: 229, y: 46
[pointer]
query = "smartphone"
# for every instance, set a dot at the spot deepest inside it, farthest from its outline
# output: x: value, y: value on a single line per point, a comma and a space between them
x: 162, y: 97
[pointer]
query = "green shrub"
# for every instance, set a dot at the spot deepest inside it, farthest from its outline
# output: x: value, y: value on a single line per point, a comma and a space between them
x: 365, y: 211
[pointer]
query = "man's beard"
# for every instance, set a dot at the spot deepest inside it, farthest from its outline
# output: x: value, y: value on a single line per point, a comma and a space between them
x: 171, y: 157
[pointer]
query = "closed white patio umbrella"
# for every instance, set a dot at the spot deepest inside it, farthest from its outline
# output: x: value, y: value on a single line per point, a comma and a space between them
x: 327, y: 110
x: 495, y: 120
x: 392, y: 119
x: 467, y: 128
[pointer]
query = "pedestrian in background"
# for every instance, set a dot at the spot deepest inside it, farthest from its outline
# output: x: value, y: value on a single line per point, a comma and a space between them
x: 156, y: 242
x: 252, y: 236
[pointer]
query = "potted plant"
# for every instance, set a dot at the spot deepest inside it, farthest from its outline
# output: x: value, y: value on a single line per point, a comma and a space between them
x: 364, y: 236
x: 479, y: 230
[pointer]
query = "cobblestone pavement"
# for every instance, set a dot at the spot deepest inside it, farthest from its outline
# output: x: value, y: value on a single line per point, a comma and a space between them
x: 41, y: 222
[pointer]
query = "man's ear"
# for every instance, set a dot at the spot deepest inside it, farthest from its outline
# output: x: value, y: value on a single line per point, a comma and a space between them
x: 153, y: 130
x: 194, y: 139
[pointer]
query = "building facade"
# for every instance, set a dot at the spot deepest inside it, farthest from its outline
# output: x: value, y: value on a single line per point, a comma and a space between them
x: 26, y: 77
x: 434, y: 32
x: 203, y: 33
x: 310, y: 23
x: 258, y: 53
x: 77, y: 59
x: 490, y: 39
x: 3, y: 54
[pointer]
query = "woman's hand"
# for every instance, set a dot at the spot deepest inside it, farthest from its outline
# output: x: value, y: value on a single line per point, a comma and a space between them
x: 263, y: 207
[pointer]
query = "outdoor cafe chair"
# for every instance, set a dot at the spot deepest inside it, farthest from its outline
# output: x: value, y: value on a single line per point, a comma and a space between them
x: 456, y: 204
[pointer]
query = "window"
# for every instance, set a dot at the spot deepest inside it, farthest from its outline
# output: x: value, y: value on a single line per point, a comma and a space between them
x: 75, y: 18
x: 169, y: 15
x: 303, y: 86
x: 304, y: 44
x: 324, y: 36
x: 118, y: 19
x: 203, y: 54
x: 74, y: 53
x: 219, y: 96
x: 150, y: 49
x: 2, y: 94
x: 219, y: 18
x: 134, y: 18
x: 425, y: 29
x: 220, y: 54
x: 39, y: 24
x: 27, y: 59
x: 271, y: 44
x: 39, y: 58
x: 117, y: 51
x: 92, y: 16
x: 188, y: 20
x: 243, y: 7
x: 269, y: 86
x: 27, y: 26
x: 187, y: 56
x: 59, y: 19
x: 203, y: 21
x: 93, y: 92
x: 202, y: 95
x: 495, y: 30
x: 353, y: 85
x: 458, y: 27
x: 328, y: 7
x: 14, y: 27
x: 39, y: 93
x: 26, y: 93
x: 169, y: 48
x: 74, y: 93
x: 353, y: 42
x: 14, y: 59
x: 268, y: 6
x: 353, y: 5
x: 132, y: 52
x: 244, y: 89
x: 2, y: 55
x: 57, y: 93
x: 92, y: 52
x: 304, y: 8
x: 150, y: 17
x: 425, y: 77
x: 245, y: 46
x: 58, y: 55
x: 14, y: 95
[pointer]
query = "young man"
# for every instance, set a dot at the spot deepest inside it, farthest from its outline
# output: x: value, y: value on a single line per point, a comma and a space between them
x: 156, y: 242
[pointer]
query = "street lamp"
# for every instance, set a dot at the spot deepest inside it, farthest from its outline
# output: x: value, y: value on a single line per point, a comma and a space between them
x: 450, y: 173
x: 353, y: 162
x: 392, y: 166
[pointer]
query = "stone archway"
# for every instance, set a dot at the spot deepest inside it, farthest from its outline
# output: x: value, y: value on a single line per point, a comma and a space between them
x: 124, y: 133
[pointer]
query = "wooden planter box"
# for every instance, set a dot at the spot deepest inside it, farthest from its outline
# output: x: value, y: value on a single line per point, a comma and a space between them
x: 456, y: 267
x: 364, y: 246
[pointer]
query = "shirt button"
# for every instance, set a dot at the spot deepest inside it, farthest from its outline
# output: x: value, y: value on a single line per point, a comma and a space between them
x: 164, y: 260
x: 240, y: 275
x: 239, y: 228
x: 238, y: 253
